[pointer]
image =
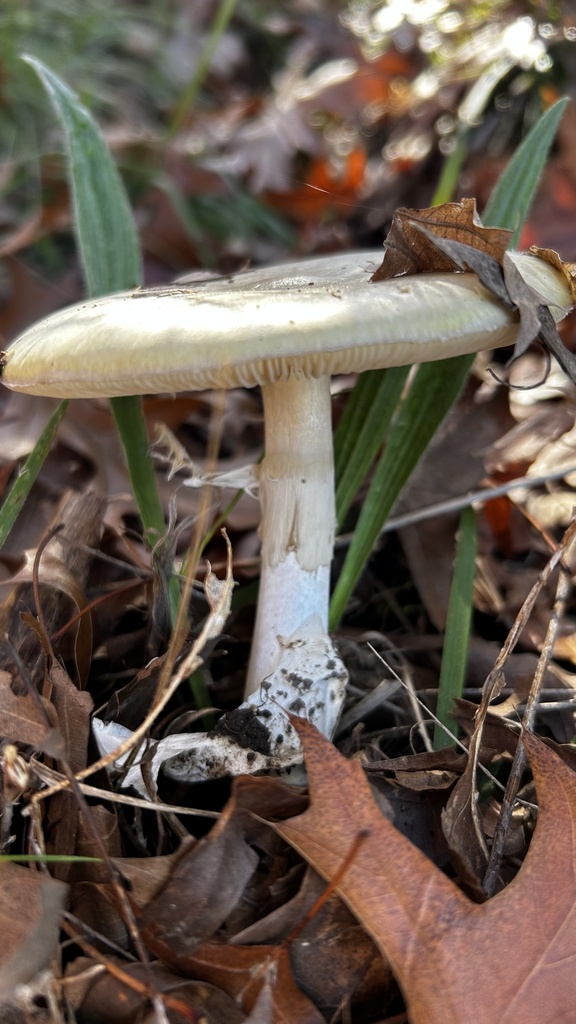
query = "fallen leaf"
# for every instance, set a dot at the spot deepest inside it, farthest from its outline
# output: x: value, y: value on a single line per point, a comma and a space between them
x: 144, y: 877
x: 411, y: 248
x: 28, y: 720
x: 447, y: 952
x: 333, y: 959
x: 245, y: 972
x: 552, y: 257
x: 210, y: 877
x: 429, y: 769
x: 30, y: 908
x: 101, y: 997
x: 63, y: 572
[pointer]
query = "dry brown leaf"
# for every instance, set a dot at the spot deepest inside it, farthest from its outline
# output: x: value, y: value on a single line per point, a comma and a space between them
x: 333, y: 959
x: 30, y: 908
x: 123, y: 996
x: 73, y: 707
x: 447, y: 952
x: 429, y: 769
x: 28, y: 720
x: 209, y: 879
x: 552, y: 257
x: 463, y: 828
x: 408, y: 250
x: 146, y: 876
x: 250, y: 974
x: 451, y: 236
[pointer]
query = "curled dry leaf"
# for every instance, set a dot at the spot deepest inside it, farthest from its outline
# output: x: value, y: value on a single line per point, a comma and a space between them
x: 452, y: 236
x: 26, y: 720
x: 446, y: 951
x: 552, y: 257
x: 429, y: 769
x: 257, y: 977
x: 210, y: 879
x: 410, y: 250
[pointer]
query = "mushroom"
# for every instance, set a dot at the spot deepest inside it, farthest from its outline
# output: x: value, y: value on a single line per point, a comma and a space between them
x: 288, y: 329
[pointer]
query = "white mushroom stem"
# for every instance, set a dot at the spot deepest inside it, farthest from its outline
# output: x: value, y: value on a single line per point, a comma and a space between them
x: 298, y: 516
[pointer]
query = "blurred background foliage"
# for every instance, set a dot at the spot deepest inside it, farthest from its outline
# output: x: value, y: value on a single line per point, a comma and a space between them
x: 310, y: 123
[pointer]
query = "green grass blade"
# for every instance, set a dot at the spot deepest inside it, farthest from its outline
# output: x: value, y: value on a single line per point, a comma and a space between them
x: 23, y: 483
x: 437, y: 385
x: 452, y: 167
x: 457, y: 635
x: 48, y: 858
x: 362, y: 430
x: 131, y: 426
x: 102, y: 216
x: 110, y: 253
x: 512, y: 195
x: 222, y: 17
x: 370, y: 407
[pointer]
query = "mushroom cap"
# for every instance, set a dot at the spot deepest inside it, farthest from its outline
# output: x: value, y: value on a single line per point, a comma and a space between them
x: 311, y: 318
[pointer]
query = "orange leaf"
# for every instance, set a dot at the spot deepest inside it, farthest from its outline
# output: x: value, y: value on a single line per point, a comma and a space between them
x: 506, y: 961
x: 324, y: 189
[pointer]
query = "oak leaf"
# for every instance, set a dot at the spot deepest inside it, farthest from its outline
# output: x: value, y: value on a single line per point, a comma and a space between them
x: 507, y: 961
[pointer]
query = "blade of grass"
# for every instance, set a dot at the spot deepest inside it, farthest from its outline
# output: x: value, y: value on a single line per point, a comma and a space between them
x: 103, y: 220
x: 362, y: 430
x: 417, y: 420
x: 131, y: 425
x: 110, y: 251
x: 110, y: 254
x: 370, y: 407
x: 456, y: 638
x: 48, y: 858
x: 446, y: 187
x: 437, y: 385
x: 23, y: 483
x: 512, y: 195
x: 188, y: 97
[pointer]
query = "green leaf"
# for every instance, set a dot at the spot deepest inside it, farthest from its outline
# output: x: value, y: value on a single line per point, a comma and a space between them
x: 23, y: 483
x: 103, y: 219
x: 362, y: 429
x: 457, y: 635
x: 437, y: 385
x: 418, y: 419
x: 48, y: 858
x: 224, y: 12
x: 514, y: 191
x: 110, y: 253
x: 131, y: 426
